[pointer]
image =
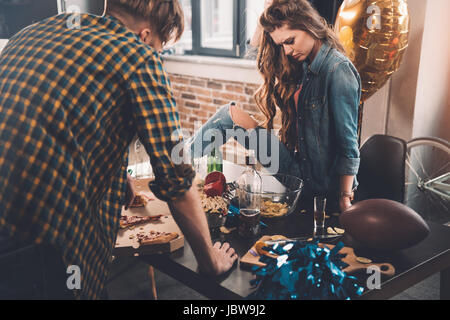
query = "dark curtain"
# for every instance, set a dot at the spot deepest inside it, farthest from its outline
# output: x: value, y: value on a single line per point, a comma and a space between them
x: 327, y: 8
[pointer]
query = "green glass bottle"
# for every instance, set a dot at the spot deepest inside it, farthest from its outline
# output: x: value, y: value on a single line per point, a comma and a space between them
x: 215, y: 161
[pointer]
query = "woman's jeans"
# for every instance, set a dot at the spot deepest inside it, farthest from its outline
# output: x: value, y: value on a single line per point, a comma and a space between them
x: 270, y: 152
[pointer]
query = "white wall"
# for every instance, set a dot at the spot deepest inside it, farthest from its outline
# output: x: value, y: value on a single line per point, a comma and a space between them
x: 391, y: 110
x: 415, y: 102
x: 375, y: 113
x: 432, y: 112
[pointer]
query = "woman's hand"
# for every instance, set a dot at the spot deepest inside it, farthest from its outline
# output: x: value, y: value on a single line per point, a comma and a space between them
x: 344, y: 203
x: 267, y: 3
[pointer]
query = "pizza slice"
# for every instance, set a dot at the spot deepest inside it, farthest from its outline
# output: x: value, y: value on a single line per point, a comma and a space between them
x: 130, y: 221
x: 156, y: 237
x: 139, y: 201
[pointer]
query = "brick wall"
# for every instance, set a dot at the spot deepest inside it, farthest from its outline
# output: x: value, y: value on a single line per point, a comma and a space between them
x: 198, y: 99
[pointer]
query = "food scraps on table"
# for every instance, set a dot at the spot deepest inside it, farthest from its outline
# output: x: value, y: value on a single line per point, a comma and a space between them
x: 363, y: 260
x: 226, y: 230
x: 214, y: 205
x: 140, y: 201
x: 156, y: 237
x: 127, y: 222
x: 335, y: 231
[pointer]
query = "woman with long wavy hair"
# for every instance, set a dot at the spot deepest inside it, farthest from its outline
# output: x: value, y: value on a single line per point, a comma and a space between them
x: 316, y: 89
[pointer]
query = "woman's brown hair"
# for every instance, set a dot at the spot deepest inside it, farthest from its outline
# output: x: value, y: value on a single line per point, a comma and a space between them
x: 165, y: 16
x: 281, y: 73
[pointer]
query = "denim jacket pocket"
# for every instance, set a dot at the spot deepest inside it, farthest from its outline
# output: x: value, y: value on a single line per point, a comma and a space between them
x: 315, y: 103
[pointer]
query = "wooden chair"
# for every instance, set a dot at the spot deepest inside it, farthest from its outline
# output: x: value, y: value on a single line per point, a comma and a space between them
x: 151, y: 275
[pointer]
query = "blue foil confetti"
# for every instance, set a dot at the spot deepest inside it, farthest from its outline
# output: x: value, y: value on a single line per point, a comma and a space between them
x: 232, y: 216
x: 303, y: 271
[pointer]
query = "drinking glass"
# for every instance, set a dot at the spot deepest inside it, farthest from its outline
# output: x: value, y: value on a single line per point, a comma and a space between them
x: 320, y: 204
x: 250, y: 213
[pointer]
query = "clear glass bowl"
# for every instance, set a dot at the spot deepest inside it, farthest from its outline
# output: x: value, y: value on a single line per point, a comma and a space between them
x: 280, y: 194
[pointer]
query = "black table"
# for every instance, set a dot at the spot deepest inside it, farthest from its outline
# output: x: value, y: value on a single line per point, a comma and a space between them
x: 412, y: 265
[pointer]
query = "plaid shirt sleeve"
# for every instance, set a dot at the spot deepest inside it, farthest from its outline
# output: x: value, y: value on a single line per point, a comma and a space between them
x: 158, y: 128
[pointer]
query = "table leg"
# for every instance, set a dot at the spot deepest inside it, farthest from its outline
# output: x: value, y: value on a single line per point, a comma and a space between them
x: 445, y: 284
x: 151, y: 275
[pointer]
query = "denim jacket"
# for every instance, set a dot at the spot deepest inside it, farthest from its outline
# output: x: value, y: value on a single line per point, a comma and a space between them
x: 328, y: 121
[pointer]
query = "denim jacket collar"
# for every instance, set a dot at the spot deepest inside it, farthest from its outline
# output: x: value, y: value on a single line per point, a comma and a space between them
x: 318, y: 61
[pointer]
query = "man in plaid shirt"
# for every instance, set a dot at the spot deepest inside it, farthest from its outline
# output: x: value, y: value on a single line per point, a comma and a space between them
x: 74, y: 91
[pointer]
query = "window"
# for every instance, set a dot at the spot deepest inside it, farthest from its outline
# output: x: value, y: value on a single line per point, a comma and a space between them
x: 221, y: 27
x: 218, y: 27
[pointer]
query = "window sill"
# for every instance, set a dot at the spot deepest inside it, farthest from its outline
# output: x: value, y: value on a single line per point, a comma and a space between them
x: 217, y: 68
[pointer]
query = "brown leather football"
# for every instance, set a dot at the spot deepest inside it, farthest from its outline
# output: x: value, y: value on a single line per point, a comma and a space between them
x: 384, y: 225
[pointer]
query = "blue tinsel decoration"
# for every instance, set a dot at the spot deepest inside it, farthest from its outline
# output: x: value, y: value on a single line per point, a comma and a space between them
x: 304, y: 271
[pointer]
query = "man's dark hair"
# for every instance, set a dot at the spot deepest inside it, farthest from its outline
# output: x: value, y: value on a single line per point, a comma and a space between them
x: 164, y: 16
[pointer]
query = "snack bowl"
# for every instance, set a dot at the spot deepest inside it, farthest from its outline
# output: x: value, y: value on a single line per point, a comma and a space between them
x: 216, y: 209
x: 280, y: 194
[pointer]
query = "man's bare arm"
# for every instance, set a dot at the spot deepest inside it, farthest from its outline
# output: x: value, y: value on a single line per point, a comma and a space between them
x: 189, y: 215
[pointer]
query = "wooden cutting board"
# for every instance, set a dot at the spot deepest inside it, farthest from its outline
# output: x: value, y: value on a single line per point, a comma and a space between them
x: 127, y: 243
x: 386, y: 269
x: 251, y: 258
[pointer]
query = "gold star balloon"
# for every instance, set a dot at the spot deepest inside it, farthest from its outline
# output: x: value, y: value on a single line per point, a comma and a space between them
x: 374, y: 34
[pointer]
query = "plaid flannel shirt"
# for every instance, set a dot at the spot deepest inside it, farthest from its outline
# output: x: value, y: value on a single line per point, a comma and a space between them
x: 72, y: 97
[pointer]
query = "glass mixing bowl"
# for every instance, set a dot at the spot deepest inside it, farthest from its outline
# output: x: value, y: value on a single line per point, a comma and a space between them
x: 280, y: 194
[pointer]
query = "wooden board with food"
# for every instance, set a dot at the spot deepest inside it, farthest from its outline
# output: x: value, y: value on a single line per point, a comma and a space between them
x: 147, y: 228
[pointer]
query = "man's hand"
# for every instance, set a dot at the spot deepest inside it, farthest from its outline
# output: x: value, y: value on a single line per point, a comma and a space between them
x: 188, y: 213
x: 224, y: 256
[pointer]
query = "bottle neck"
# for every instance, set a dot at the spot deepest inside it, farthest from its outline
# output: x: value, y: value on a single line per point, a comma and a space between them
x: 250, y: 167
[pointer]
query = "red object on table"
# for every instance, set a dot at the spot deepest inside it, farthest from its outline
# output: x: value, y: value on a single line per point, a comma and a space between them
x: 214, y: 189
x: 215, y: 184
x: 215, y: 176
